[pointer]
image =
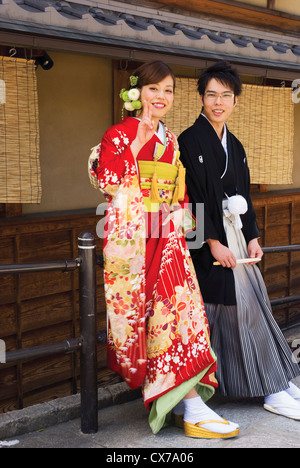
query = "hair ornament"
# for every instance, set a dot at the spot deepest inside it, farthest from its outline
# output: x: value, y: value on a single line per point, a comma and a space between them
x: 131, y: 96
x: 133, y: 80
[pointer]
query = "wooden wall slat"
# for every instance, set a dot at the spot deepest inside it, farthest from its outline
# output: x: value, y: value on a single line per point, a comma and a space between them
x: 36, y: 248
x: 44, y: 372
x: 46, y: 311
x: 8, y: 320
x: 47, y: 394
x: 34, y: 285
x: 8, y: 289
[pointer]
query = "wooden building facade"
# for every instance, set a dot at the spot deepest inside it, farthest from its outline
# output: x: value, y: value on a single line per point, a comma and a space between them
x: 91, y: 44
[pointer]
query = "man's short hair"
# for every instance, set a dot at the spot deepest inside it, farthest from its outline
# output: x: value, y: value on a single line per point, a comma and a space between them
x: 222, y: 72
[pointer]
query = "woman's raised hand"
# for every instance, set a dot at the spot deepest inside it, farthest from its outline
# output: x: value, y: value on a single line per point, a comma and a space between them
x: 146, y: 130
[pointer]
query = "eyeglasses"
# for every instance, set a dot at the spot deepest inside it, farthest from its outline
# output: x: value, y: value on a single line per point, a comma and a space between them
x: 212, y: 96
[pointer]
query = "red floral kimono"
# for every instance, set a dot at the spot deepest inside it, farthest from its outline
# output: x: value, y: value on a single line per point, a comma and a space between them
x: 158, y: 330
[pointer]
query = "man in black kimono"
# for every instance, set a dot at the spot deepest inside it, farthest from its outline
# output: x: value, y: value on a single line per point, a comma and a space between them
x: 254, y: 358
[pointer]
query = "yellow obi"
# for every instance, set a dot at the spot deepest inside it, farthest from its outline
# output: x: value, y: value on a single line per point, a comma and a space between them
x: 160, y: 183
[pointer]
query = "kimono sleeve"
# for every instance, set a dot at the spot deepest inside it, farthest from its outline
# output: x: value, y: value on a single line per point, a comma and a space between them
x: 115, y: 160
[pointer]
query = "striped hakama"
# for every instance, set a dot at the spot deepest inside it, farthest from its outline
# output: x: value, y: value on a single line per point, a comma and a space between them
x: 253, y: 357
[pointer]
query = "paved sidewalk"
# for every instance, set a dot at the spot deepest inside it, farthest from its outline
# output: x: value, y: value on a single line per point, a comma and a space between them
x: 125, y: 426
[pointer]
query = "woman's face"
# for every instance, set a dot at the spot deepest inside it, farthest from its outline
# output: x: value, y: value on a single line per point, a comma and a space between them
x: 160, y: 97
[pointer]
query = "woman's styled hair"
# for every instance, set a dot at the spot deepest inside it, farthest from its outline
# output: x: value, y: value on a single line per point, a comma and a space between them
x: 223, y: 73
x: 153, y: 72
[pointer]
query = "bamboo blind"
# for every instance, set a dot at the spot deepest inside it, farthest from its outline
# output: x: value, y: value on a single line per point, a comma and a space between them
x: 20, y: 178
x: 263, y: 121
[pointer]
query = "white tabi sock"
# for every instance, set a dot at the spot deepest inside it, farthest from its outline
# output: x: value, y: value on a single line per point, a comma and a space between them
x: 293, y: 391
x: 195, y: 411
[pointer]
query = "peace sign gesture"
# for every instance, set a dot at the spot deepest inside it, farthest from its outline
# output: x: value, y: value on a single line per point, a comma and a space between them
x: 145, y: 131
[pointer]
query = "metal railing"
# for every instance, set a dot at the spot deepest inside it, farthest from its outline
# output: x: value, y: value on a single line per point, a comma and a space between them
x: 287, y: 300
x: 87, y: 341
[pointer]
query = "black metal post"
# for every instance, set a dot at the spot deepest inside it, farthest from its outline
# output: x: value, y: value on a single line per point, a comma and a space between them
x: 88, y: 355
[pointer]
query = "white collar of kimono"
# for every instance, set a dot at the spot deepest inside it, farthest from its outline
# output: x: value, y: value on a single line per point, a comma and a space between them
x: 160, y: 132
x: 224, y: 143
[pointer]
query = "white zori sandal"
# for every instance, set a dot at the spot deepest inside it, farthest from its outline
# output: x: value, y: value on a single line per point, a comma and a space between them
x: 289, y: 411
x: 283, y: 404
x: 211, y: 426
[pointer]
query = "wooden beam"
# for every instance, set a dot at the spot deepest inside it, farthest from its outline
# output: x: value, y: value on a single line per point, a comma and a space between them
x: 240, y: 13
x: 10, y: 210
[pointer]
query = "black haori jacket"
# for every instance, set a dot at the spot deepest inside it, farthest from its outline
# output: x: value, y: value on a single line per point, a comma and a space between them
x: 204, y: 158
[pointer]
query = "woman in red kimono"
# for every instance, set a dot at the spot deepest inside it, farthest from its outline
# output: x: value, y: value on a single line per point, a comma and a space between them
x: 158, y: 331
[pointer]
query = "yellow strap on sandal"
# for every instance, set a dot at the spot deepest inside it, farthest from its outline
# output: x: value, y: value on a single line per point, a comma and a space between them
x: 209, y: 421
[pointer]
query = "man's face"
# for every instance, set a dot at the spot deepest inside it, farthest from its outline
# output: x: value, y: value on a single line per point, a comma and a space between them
x: 218, y: 102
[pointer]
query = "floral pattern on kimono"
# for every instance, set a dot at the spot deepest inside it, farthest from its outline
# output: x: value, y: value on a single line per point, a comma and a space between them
x: 124, y: 258
x: 158, y: 331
